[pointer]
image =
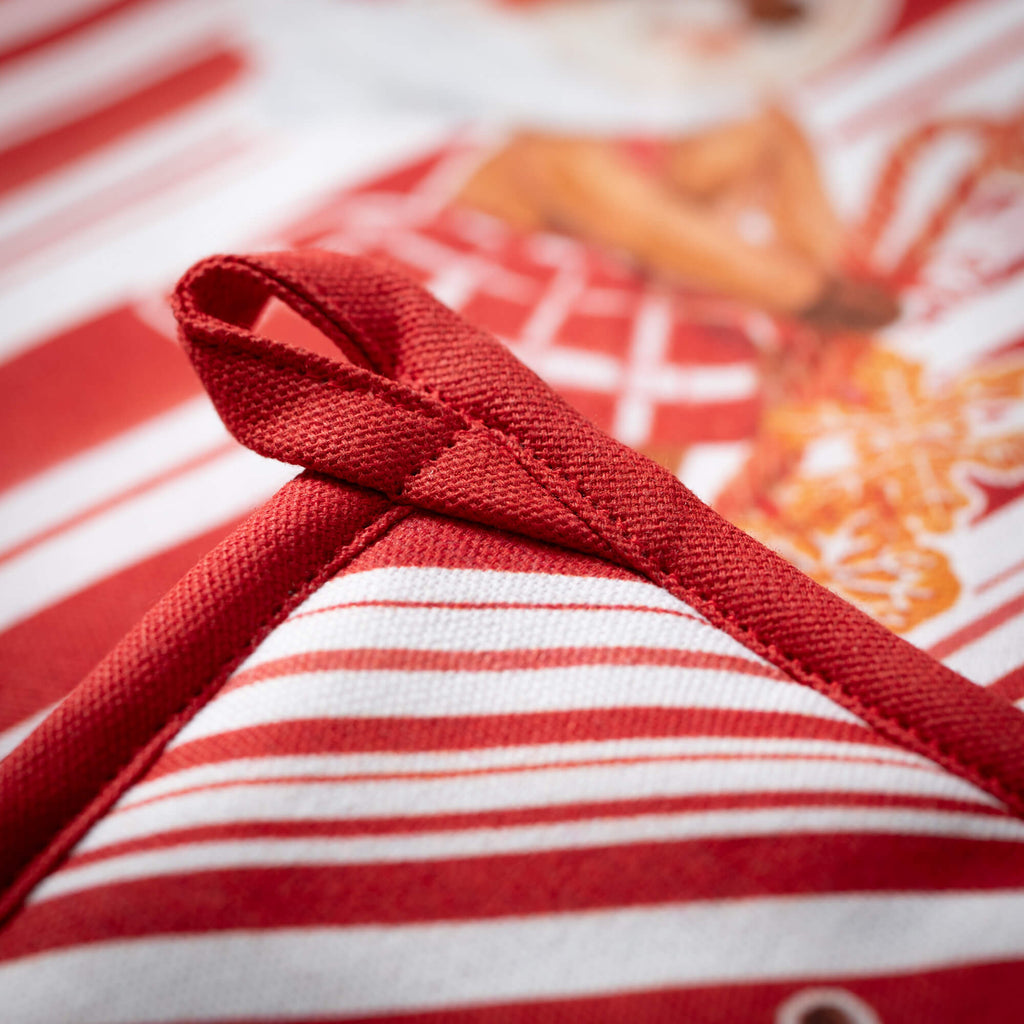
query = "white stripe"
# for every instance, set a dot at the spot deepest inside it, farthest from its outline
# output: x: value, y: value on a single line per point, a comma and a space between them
x: 106, y: 470
x: 992, y: 655
x: 476, y: 586
x: 707, y: 468
x: 695, y: 382
x: 558, y: 300
x: 645, y: 364
x: 490, y: 629
x: 294, y: 801
x: 54, y: 291
x: 223, y: 488
x: 346, y: 694
x: 995, y: 543
x: 488, y: 841
x: 886, y: 76
x: 978, y: 554
x: 673, y: 383
x: 499, y: 758
x: 950, y: 343
x: 286, y: 973
x: 142, y: 154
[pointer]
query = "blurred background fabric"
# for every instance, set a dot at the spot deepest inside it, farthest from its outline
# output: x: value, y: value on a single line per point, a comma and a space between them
x: 776, y: 245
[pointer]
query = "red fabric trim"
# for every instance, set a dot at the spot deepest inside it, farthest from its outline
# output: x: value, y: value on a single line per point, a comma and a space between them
x: 427, y: 540
x: 44, y: 657
x: 112, y: 727
x: 436, y: 413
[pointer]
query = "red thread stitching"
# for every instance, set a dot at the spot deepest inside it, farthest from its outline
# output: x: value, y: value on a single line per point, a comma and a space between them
x: 390, y: 392
x: 58, y: 847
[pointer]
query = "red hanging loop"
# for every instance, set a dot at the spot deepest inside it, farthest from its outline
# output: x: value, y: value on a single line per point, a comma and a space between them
x: 375, y: 416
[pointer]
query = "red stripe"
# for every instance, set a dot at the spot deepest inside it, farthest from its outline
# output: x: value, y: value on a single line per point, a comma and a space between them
x: 710, y: 344
x: 996, y: 497
x: 977, y: 629
x: 989, y: 993
x: 1010, y: 686
x: 501, y: 606
x: 1000, y: 577
x: 42, y: 658
x: 131, y: 492
x: 547, y: 882
x: 471, y: 732
x: 90, y: 18
x: 607, y: 762
x: 347, y: 827
x: 914, y: 11
x: 83, y: 387
x: 47, y: 151
x: 703, y: 422
x: 373, y: 659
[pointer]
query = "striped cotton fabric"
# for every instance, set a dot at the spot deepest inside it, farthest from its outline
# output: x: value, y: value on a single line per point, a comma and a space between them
x: 478, y: 777
x: 137, y: 136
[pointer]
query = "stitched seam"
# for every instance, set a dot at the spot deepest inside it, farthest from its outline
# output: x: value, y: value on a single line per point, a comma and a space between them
x: 793, y: 665
x: 480, y: 428
x: 72, y: 830
x: 216, y: 330
x: 400, y: 400
x: 413, y: 473
x: 451, y: 418
x: 656, y: 569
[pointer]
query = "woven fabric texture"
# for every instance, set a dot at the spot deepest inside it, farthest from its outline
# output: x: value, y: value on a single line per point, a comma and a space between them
x: 475, y: 777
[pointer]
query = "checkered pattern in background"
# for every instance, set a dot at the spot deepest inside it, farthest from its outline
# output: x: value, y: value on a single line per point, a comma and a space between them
x: 671, y: 372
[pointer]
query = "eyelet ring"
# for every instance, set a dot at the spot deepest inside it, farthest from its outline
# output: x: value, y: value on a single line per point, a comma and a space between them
x: 825, y: 1006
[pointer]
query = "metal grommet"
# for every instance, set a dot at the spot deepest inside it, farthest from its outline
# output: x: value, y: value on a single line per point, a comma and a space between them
x: 825, y: 1006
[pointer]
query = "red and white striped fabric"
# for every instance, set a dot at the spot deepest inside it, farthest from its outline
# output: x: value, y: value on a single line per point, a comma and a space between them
x: 134, y: 138
x: 377, y: 759
x: 139, y: 136
x: 534, y: 736
x: 564, y: 790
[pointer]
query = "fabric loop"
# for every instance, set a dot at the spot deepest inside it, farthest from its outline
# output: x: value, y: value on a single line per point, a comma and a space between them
x: 367, y: 417
x: 336, y: 416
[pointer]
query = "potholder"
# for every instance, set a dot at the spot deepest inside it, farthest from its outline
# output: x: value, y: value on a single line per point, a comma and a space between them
x: 486, y: 717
